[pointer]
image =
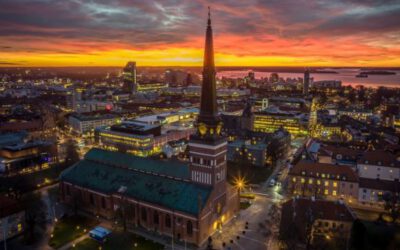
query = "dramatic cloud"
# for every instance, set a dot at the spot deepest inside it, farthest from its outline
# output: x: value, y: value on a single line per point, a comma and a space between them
x: 170, y: 32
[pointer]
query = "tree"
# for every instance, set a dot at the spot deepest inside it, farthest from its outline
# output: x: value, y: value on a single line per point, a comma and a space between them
x: 35, y: 215
x: 209, y: 243
x: 72, y: 155
x: 392, y: 204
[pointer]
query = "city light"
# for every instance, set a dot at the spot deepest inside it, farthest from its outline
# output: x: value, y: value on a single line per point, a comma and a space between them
x: 241, y: 125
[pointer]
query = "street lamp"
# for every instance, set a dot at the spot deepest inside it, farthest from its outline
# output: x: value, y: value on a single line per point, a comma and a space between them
x: 240, y: 183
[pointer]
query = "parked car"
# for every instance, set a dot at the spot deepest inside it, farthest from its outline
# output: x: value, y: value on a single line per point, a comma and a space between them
x: 272, y: 183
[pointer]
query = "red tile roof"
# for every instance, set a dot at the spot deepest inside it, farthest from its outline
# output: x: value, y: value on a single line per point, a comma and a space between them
x: 380, y: 158
x: 297, y: 212
x: 312, y: 169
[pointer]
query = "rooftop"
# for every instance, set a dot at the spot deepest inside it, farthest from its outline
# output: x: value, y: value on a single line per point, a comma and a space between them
x: 92, y: 117
x: 316, y: 169
x: 380, y: 158
x: 106, y: 172
x: 174, y: 169
x: 296, y: 213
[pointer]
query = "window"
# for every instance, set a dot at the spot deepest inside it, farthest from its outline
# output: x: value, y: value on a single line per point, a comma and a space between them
x: 91, y: 198
x: 335, y: 184
x: 310, y: 181
x: 326, y: 183
x: 155, y: 218
x: 144, y: 214
x: 68, y: 191
x: 302, y: 180
x: 294, y: 179
x: 168, y: 221
x: 326, y: 192
x: 189, y: 227
x: 103, y: 203
x: 334, y: 192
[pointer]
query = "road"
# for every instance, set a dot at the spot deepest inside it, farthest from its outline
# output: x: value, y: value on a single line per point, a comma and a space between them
x: 254, y: 228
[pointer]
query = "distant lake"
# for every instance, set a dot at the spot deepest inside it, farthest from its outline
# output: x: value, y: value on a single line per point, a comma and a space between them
x: 347, y: 76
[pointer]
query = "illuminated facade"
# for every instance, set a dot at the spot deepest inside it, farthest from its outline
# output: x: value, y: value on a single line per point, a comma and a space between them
x: 323, y: 180
x: 129, y: 77
x: 358, y: 114
x: 26, y: 158
x: 153, y: 86
x: 325, y: 131
x: 86, y: 124
x: 270, y: 122
x: 138, y: 138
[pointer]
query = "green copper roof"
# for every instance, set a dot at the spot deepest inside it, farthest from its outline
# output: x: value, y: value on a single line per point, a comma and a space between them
x: 174, y: 194
x: 162, y: 167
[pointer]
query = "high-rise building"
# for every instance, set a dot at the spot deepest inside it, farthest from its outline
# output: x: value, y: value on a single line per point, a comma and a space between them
x: 306, y: 82
x: 129, y: 76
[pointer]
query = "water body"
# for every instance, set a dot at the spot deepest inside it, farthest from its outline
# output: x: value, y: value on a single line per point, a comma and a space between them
x: 347, y: 76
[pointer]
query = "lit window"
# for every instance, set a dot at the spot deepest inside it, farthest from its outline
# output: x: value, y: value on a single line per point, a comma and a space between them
x: 302, y: 180
x: 334, y: 192
x: 319, y: 182
x: 335, y: 184
x: 326, y: 192
x: 326, y: 183
x: 294, y: 179
x: 310, y: 181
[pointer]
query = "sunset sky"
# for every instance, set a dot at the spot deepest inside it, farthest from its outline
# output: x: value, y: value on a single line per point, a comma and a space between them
x: 171, y: 32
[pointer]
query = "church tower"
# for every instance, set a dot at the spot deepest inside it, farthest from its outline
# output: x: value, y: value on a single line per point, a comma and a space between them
x: 207, y: 147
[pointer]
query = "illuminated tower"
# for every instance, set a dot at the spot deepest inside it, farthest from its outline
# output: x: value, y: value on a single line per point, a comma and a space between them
x: 207, y: 147
x: 129, y: 75
x: 306, y: 82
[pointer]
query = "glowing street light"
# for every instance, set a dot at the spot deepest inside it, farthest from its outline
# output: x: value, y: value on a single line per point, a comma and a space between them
x: 240, y: 183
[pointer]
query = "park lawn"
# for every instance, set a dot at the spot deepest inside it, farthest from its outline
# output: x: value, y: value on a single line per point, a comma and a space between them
x: 120, y: 241
x: 69, y: 228
x: 251, y: 174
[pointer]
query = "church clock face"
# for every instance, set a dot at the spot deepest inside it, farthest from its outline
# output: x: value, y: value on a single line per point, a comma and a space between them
x: 202, y: 129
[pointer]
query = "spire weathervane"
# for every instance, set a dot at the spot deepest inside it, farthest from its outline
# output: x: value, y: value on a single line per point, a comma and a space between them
x: 209, y: 16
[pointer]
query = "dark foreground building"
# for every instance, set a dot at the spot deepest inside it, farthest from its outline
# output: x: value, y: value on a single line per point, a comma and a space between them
x: 187, y: 202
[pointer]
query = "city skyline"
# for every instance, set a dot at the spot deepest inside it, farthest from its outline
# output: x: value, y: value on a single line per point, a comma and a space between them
x: 170, y: 33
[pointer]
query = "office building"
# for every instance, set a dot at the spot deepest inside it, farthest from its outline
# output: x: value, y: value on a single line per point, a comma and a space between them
x: 129, y: 77
x: 85, y: 124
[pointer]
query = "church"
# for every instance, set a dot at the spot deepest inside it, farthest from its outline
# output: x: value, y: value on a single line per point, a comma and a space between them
x: 186, y: 201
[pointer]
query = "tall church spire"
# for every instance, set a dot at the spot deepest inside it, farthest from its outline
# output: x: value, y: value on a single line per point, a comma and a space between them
x: 208, y: 108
